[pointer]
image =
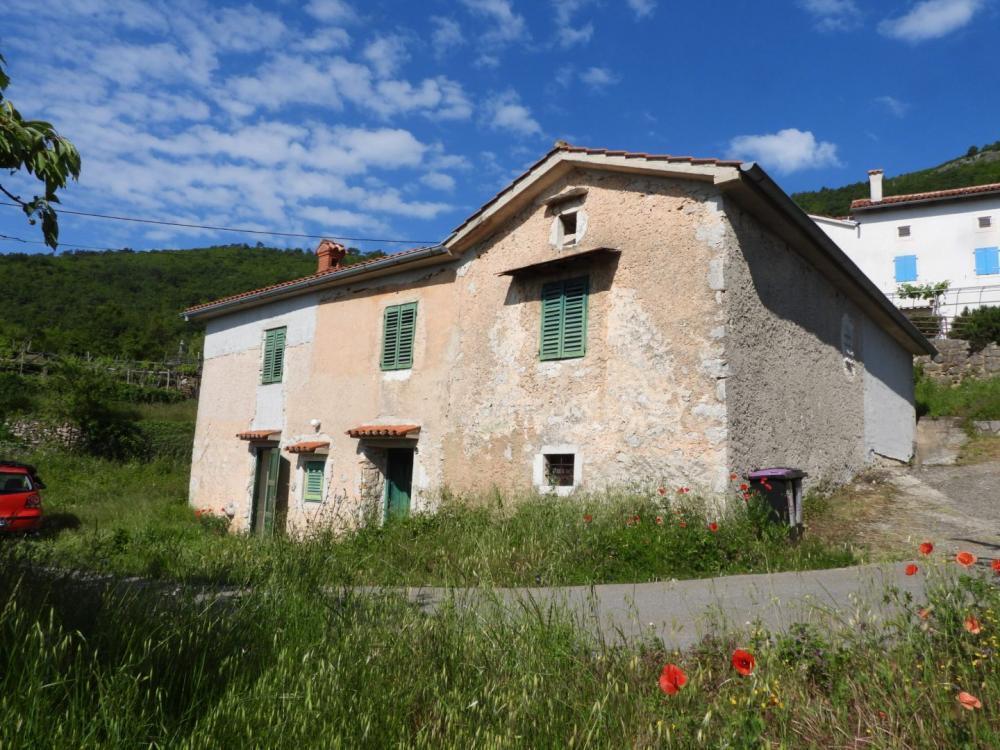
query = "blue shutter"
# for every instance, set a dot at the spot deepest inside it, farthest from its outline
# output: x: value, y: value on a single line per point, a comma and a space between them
x: 906, y: 268
x: 987, y: 261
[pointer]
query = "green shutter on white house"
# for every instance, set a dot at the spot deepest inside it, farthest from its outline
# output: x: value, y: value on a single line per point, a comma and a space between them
x: 399, y: 328
x: 313, y: 483
x: 564, y: 319
x: 274, y: 356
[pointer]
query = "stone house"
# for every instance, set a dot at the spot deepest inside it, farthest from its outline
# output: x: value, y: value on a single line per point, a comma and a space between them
x: 609, y: 317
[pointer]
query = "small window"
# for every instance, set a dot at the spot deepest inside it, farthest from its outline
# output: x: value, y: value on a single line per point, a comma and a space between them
x: 987, y: 261
x: 312, y: 485
x: 399, y: 326
x: 985, y: 222
x: 904, y: 231
x: 567, y: 228
x: 906, y: 268
x: 559, y: 468
x: 273, y: 364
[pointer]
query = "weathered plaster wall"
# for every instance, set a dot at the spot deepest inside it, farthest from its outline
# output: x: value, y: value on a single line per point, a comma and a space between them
x: 644, y: 403
x: 647, y: 402
x: 792, y: 398
x: 890, y: 418
x: 232, y: 400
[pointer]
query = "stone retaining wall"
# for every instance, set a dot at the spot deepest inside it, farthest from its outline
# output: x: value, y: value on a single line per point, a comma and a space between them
x: 954, y: 362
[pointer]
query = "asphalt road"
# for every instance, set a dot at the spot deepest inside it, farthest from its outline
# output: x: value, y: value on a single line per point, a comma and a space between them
x: 683, y: 612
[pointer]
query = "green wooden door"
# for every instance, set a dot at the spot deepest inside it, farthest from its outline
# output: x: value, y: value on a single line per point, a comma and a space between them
x: 399, y: 481
x: 266, y: 490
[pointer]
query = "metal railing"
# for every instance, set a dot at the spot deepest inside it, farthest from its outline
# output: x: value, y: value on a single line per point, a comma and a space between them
x: 936, y: 318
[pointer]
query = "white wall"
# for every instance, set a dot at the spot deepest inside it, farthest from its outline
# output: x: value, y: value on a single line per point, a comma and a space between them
x: 943, y: 236
x: 890, y: 419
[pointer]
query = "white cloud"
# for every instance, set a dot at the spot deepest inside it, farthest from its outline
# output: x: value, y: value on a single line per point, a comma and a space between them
x: 642, y: 8
x: 447, y: 35
x: 507, y: 27
x: 895, y: 106
x: 325, y: 40
x: 386, y: 54
x: 439, y: 181
x: 569, y: 32
x: 930, y: 19
x: 504, y: 111
x: 786, y: 151
x: 330, y: 11
x: 833, y: 15
x: 598, y: 78
x: 333, y: 219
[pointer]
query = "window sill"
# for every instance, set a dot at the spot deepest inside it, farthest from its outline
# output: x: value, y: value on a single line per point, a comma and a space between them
x: 557, y: 490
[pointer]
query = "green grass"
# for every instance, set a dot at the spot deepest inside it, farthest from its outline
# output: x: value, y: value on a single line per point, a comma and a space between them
x: 972, y: 399
x: 133, y: 518
x: 287, y: 665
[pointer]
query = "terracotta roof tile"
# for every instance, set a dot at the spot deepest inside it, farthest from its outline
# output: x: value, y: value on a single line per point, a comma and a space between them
x: 257, y: 434
x: 383, y: 430
x: 308, y: 446
x: 890, y: 200
x: 292, y: 282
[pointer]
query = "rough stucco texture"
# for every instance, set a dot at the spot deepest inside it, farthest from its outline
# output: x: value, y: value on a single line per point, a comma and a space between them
x: 791, y: 400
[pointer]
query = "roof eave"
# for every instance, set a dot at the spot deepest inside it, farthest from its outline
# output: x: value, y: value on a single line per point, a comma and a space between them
x: 885, y: 205
x: 381, y: 267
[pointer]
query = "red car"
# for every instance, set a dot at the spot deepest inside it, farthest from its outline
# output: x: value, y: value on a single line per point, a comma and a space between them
x: 20, y: 501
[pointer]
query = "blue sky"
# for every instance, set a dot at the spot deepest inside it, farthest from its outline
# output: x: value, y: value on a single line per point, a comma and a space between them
x: 396, y: 119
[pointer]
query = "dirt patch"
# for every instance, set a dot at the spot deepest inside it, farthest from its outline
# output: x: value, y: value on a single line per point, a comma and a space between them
x: 981, y: 449
x: 886, y: 514
x: 850, y: 514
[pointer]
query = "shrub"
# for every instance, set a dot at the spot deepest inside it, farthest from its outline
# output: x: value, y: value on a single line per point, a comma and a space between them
x: 166, y: 439
x: 971, y: 399
x: 980, y: 327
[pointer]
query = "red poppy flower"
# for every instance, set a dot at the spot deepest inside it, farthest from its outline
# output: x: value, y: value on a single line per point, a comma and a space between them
x: 926, y: 548
x: 587, y: 518
x: 911, y: 569
x: 683, y: 525
x: 662, y: 490
x: 746, y: 497
x: 732, y: 477
x: 672, y: 679
x: 199, y: 513
x: 659, y: 520
x: 968, y: 701
x: 682, y: 490
x: 743, y: 662
x: 972, y: 625
x: 636, y: 519
x: 713, y: 526
x: 763, y: 480
x: 995, y: 564
x: 744, y: 487
x: 924, y: 613
x: 965, y: 559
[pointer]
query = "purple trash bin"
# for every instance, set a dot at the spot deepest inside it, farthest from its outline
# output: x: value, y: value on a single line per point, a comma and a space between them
x: 785, y: 495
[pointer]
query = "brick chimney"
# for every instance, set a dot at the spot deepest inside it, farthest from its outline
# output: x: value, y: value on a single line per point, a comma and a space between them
x: 875, y: 183
x: 328, y: 255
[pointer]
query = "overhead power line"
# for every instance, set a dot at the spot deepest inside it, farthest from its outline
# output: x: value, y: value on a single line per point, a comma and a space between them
x: 238, y: 230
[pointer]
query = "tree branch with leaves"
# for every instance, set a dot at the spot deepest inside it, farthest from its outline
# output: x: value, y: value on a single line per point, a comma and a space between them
x: 34, y: 146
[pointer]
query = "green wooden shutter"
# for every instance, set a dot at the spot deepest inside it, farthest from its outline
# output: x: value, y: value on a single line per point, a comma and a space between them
x: 574, y: 335
x: 399, y: 327
x: 313, y: 492
x: 274, y: 356
x: 552, y: 305
x: 407, y: 328
x: 564, y: 319
x: 390, y: 338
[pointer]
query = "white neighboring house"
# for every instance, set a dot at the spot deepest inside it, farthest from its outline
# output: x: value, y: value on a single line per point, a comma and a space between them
x: 926, y: 238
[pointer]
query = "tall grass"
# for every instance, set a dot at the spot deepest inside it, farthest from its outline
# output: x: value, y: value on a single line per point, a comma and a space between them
x: 133, y: 519
x: 289, y: 665
x: 973, y: 399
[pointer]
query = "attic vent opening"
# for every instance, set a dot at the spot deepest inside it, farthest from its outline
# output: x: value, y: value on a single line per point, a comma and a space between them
x: 567, y: 227
x: 904, y: 231
x: 985, y: 222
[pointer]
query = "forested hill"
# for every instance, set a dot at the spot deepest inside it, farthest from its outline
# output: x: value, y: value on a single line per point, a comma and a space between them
x: 977, y: 167
x: 126, y: 304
